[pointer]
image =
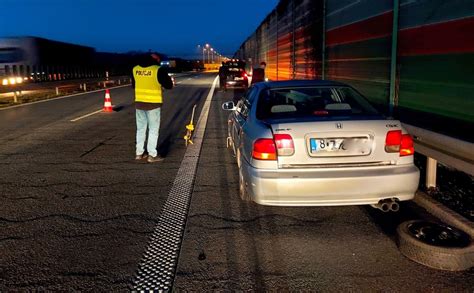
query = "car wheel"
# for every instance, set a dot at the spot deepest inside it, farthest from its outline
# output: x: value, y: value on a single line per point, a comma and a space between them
x: 229, y: 143
x: 237, y: 155
x: 230, y: 146
x: 244, y: 196
x: 436, y: 246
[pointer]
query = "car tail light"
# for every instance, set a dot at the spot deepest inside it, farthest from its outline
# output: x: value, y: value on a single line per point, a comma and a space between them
x: 396, y: 142
x: 284, y: 144
x: 406, y: 146
x: 264, y: 149
x: 321, y: 112
x: 392, y: 141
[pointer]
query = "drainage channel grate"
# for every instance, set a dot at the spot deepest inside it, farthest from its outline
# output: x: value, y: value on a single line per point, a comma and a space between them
x: 158, y: 266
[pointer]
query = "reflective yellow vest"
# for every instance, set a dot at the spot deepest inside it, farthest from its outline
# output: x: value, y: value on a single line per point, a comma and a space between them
x: 147, y: 87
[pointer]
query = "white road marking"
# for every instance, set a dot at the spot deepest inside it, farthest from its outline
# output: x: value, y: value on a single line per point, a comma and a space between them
x: 87, y: 115
x: 63, y: 97
x: 157, y: 268
x: 184, y: 80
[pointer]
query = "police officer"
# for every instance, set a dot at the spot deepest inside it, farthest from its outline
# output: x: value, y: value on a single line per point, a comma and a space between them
x: 148, y: 80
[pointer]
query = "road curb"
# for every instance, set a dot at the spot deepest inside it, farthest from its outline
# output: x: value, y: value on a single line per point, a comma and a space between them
x: 157, y: 268
x: 444, y: 213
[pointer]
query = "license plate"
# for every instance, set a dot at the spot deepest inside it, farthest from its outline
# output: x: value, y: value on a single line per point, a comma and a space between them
x: 327, y: 145
x: 238, y: 78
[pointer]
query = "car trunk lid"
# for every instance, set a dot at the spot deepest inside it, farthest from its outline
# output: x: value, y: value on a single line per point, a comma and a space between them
x: 335, y: 143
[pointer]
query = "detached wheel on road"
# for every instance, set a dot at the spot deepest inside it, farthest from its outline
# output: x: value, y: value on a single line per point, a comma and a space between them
x: 436, y: 246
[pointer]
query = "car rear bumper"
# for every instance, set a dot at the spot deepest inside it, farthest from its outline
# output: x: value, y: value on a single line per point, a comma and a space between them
x: 236, y: 84
x: 330, y: 186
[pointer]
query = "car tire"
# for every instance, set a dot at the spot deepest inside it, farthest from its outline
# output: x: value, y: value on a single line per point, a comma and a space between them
x: 237, y: 156
x: 435, y: 256
x: 244, y: 195
x: 229, y: 143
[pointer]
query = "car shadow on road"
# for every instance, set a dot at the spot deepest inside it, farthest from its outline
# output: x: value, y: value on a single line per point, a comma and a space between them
x: 387, y: 222
x: 240, y: 212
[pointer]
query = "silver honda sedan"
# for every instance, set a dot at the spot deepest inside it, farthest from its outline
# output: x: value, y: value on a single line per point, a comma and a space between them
x: 318, y: 143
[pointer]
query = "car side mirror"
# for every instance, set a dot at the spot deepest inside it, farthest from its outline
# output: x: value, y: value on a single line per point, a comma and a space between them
x: 228, y: 106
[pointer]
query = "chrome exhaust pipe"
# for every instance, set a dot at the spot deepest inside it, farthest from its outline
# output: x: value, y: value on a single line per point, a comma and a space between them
x: 387, y: 205
x: 382, y: 205
x: 394, y: 206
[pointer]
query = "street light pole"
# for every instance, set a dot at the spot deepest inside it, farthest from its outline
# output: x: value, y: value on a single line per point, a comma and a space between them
x: 212, y: 55
x: 198, y: 50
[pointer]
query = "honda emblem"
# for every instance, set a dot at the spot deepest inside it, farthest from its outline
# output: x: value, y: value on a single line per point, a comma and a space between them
x: 339, y: 125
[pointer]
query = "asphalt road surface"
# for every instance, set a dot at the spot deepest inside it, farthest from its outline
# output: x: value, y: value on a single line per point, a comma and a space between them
x: 77, y: 211
x: 230, y: 245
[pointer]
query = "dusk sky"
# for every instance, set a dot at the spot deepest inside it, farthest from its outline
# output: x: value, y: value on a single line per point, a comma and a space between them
x: 174, y: 27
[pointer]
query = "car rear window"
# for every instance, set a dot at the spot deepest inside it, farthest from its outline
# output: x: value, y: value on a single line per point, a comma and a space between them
x: 312, y: 102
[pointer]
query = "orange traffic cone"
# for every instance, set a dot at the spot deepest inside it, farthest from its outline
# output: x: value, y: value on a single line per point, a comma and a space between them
x: 107, y: 102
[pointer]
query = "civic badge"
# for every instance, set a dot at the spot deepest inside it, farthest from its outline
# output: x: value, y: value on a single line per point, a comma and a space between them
x: 339, y: 125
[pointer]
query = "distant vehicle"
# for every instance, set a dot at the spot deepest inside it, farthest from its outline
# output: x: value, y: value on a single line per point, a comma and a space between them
x: 318, y: 143
x: 37, y: 59
x: 177, y: 65
x: 235, y: 75
x: 32, y: 59
x: 168, y: 63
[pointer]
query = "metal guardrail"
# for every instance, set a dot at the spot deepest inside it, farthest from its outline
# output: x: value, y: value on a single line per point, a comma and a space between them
x: 436, y: 147
x: 63, y: 87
